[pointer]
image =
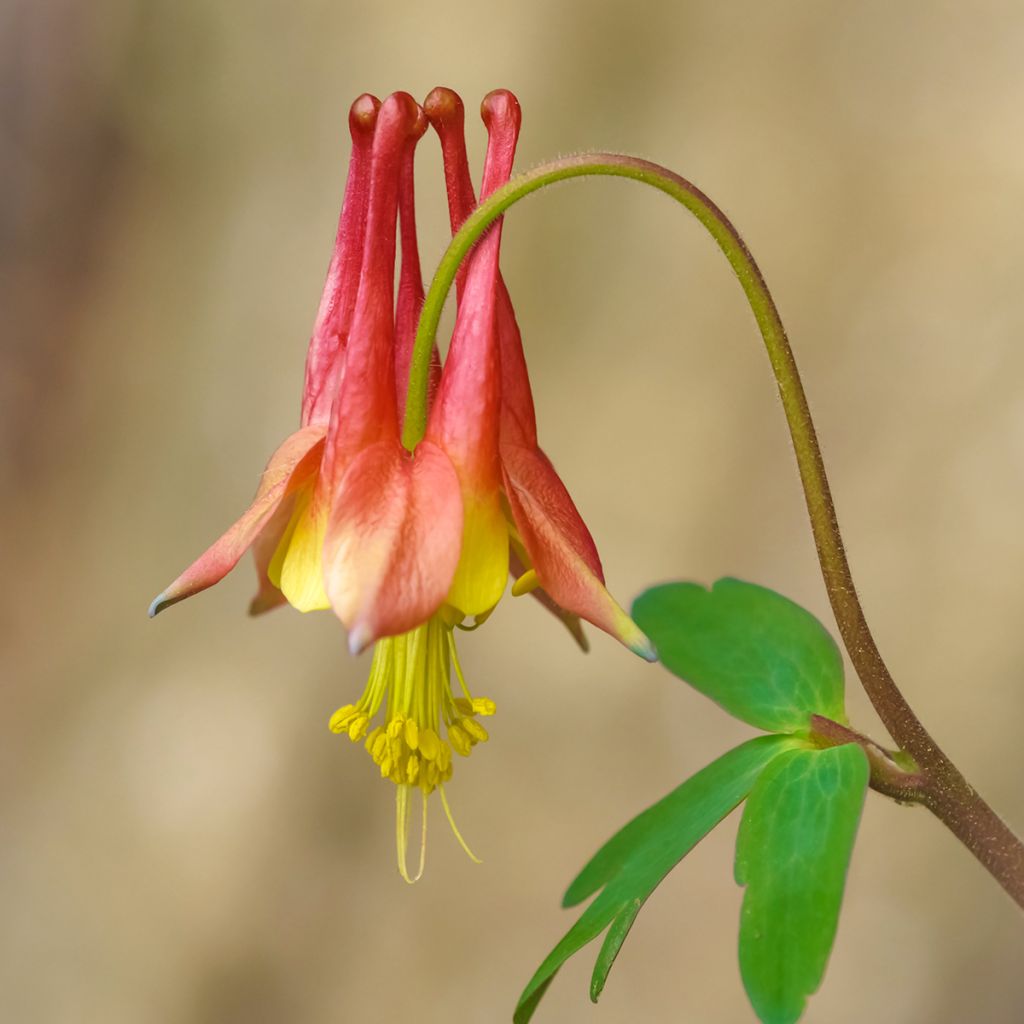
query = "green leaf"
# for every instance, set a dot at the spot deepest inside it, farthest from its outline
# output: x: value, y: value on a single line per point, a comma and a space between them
x: 628, y: 868
x: 760, y: 656
x: 792, y: 852
x: 613, y: 941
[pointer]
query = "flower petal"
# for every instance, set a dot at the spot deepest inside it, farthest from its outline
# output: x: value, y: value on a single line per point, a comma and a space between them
x: 519, y: 564
x: 445, y: 111
x: 446, y: 114
x: 464, y: 420
x: 393, y: 540
x: 293, y: 464
x: 364, y: 411
x: 297, y: 565
x: 482, y: 573
x: 518, y: 417
x: 325, y: 360
x: 560, y: 546
x: 264, y: 547
x: 410, y: 282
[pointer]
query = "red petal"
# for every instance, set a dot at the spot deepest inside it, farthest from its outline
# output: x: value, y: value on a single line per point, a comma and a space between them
x: 268, y: 596
x: 365, y: 411
x: 289, y: 467
x: 445, y: 112
x: 325, y: 360
x: 465, y: 417
x: 560, y: 546
x: 464, y: 420
x: 518, y: 417
x: 410, y: 284
x: 393, y: 540
x: 519, y: 563
x: 518, y: 421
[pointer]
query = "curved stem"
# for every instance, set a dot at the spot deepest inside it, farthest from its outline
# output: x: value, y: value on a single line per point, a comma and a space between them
x: 945, y: 790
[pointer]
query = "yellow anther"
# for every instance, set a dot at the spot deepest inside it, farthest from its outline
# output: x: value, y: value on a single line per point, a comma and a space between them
x: 357, y: 728
x: 372, y: 738
x: 459, y: 741
x: 412, y: 768
x: 385, y: 767
x: 527, y: 582
x: 444, y: 757
x: 340, y: 719
x: 380, y: 746
x: 412, y: 733
x: 395, y: 726
x: 476, y: 706
x: 484, y: 706
x: 476, y: 731
x: 429, y: 744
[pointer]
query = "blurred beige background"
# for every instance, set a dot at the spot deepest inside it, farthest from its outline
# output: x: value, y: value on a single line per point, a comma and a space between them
x: 183, y: 839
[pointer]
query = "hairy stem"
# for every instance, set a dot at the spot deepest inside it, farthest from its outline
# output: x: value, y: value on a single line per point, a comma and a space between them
x: 943, y: 789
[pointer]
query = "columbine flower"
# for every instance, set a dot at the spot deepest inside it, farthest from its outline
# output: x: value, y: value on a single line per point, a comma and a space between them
x: 482, y: 419
x: 460, y: 544
x: 407, y: 546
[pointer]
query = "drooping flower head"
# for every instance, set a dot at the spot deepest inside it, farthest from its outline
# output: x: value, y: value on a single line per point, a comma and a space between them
x: 411, y: 677
x: 407, y: 546
x: 480, y: 419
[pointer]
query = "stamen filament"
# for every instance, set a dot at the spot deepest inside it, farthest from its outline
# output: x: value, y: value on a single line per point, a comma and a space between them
x: 423, y: 724
x: 458, y: 667
x: 458, y: 835
x: 402, y: 829
x: 423, y: 839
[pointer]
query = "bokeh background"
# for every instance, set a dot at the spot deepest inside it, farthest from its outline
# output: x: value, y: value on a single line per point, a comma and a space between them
x: 183, y: 841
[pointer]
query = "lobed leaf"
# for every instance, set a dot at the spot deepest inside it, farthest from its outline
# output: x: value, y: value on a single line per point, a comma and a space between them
x: 792, y: 854
x: 629, y: 867
x: 759, y: 655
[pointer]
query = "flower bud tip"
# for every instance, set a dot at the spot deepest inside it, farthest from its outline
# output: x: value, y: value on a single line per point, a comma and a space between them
x: 362, y: 115
x: 500, y: 106
x: 408, y: 110
x: 442, y: 106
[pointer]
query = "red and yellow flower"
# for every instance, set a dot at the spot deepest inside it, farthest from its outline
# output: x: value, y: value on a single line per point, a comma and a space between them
x: 407, y: 546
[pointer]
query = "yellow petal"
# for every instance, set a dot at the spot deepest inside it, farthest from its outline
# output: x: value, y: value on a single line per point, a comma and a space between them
x: 297, y: 565
x: 483, y: 562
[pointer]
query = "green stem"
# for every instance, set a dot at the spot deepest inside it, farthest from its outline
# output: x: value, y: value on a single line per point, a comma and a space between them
x: 945, y: 790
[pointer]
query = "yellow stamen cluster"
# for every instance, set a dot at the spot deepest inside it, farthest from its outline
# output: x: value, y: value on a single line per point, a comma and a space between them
x: 423, y: 722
